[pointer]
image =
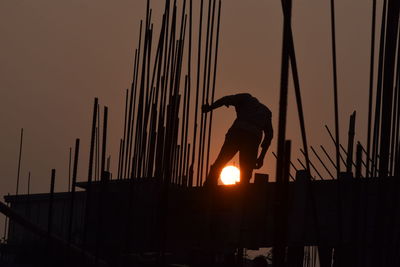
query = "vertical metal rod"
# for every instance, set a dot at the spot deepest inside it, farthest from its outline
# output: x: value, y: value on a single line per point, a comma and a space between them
x: 189, y: 86
x: 397, y: 166
x: 92, y: 139
x: 19, y: 159
x: 280, y: 232
x: 371, y: 85
x: 29, y: 183
x: 358, y: 161
x: 5, y: 226
x: 120, y: 154
x: 196, y: 99
x: 397, y: 139
x: 335, y: 90
x: 204, y: 100
x: 350, y: 143
x: 208, y: 90
x: 387, y: 92
x: 98, y: 143
x: 93, y: 153
x: 213, y: 85
x: 187, y: 166
x: 378, y: 101
x: 51, y: 200
x: 129, y: 164
x: 183, y: 147
x: 296, y: 82
x: 395, y: 112
x: 72, y: 194
x: 121, y: 165
x: 104, y: 145
x: 108, y: 163
x: 69, y: 169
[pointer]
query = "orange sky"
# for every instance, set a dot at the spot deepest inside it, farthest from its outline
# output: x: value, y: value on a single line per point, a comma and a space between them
x: 57, y: 56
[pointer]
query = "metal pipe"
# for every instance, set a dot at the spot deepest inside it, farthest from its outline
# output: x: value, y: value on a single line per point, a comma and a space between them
x: 104, y: 145
x: 371, y: 85
x: 19, y: 159
x: 350, y: 143
x: 196, y: 99
x: 335, y: 90
x: 208, y: 87
x: 375, y: 144
x: 69, y: 169
x: 51, y: 200
x: 121, y: 144
x: 281, y: 197
x: 201, y: 144
x: 92, y: 139
x: 292, y: 58
x: 390, y: 53
x: 72, y: 194
x: 358, y: 162
x: 213, y: 85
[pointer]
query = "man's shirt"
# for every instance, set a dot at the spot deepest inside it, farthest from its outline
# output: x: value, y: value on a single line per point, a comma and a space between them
x: 251, y: 115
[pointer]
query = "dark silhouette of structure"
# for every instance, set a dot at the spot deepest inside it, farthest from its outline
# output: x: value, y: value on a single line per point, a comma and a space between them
x: 244, y: 136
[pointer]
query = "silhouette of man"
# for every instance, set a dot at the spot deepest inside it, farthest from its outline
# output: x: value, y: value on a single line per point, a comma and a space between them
x: 244, y: 136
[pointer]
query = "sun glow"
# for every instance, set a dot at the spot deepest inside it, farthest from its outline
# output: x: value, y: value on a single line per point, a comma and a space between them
x: 230, y: 175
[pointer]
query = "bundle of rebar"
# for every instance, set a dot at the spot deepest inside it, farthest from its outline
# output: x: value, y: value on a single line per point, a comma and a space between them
x: 157, y: 137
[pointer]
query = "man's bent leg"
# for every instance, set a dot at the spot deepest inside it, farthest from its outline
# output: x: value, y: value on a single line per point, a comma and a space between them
x: 228, y: 150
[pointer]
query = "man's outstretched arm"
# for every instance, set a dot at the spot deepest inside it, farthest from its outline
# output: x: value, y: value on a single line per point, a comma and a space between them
x: 226, y: 100
x: 268, y: 134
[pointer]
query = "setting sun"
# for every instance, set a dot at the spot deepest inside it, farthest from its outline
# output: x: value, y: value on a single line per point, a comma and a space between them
x: 230, y: 175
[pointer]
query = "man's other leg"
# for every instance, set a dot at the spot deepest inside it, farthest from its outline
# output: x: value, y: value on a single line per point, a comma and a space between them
x: 248, y: 156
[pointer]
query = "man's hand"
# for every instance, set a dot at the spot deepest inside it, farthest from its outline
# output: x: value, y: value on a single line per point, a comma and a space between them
x: 206, y: 108
x: 259, y: 163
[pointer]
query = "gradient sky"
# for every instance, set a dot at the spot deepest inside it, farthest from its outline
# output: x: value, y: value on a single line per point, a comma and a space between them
x: 56, y: 56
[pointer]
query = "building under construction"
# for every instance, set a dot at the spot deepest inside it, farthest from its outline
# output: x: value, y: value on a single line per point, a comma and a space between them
x: 155, y: 212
